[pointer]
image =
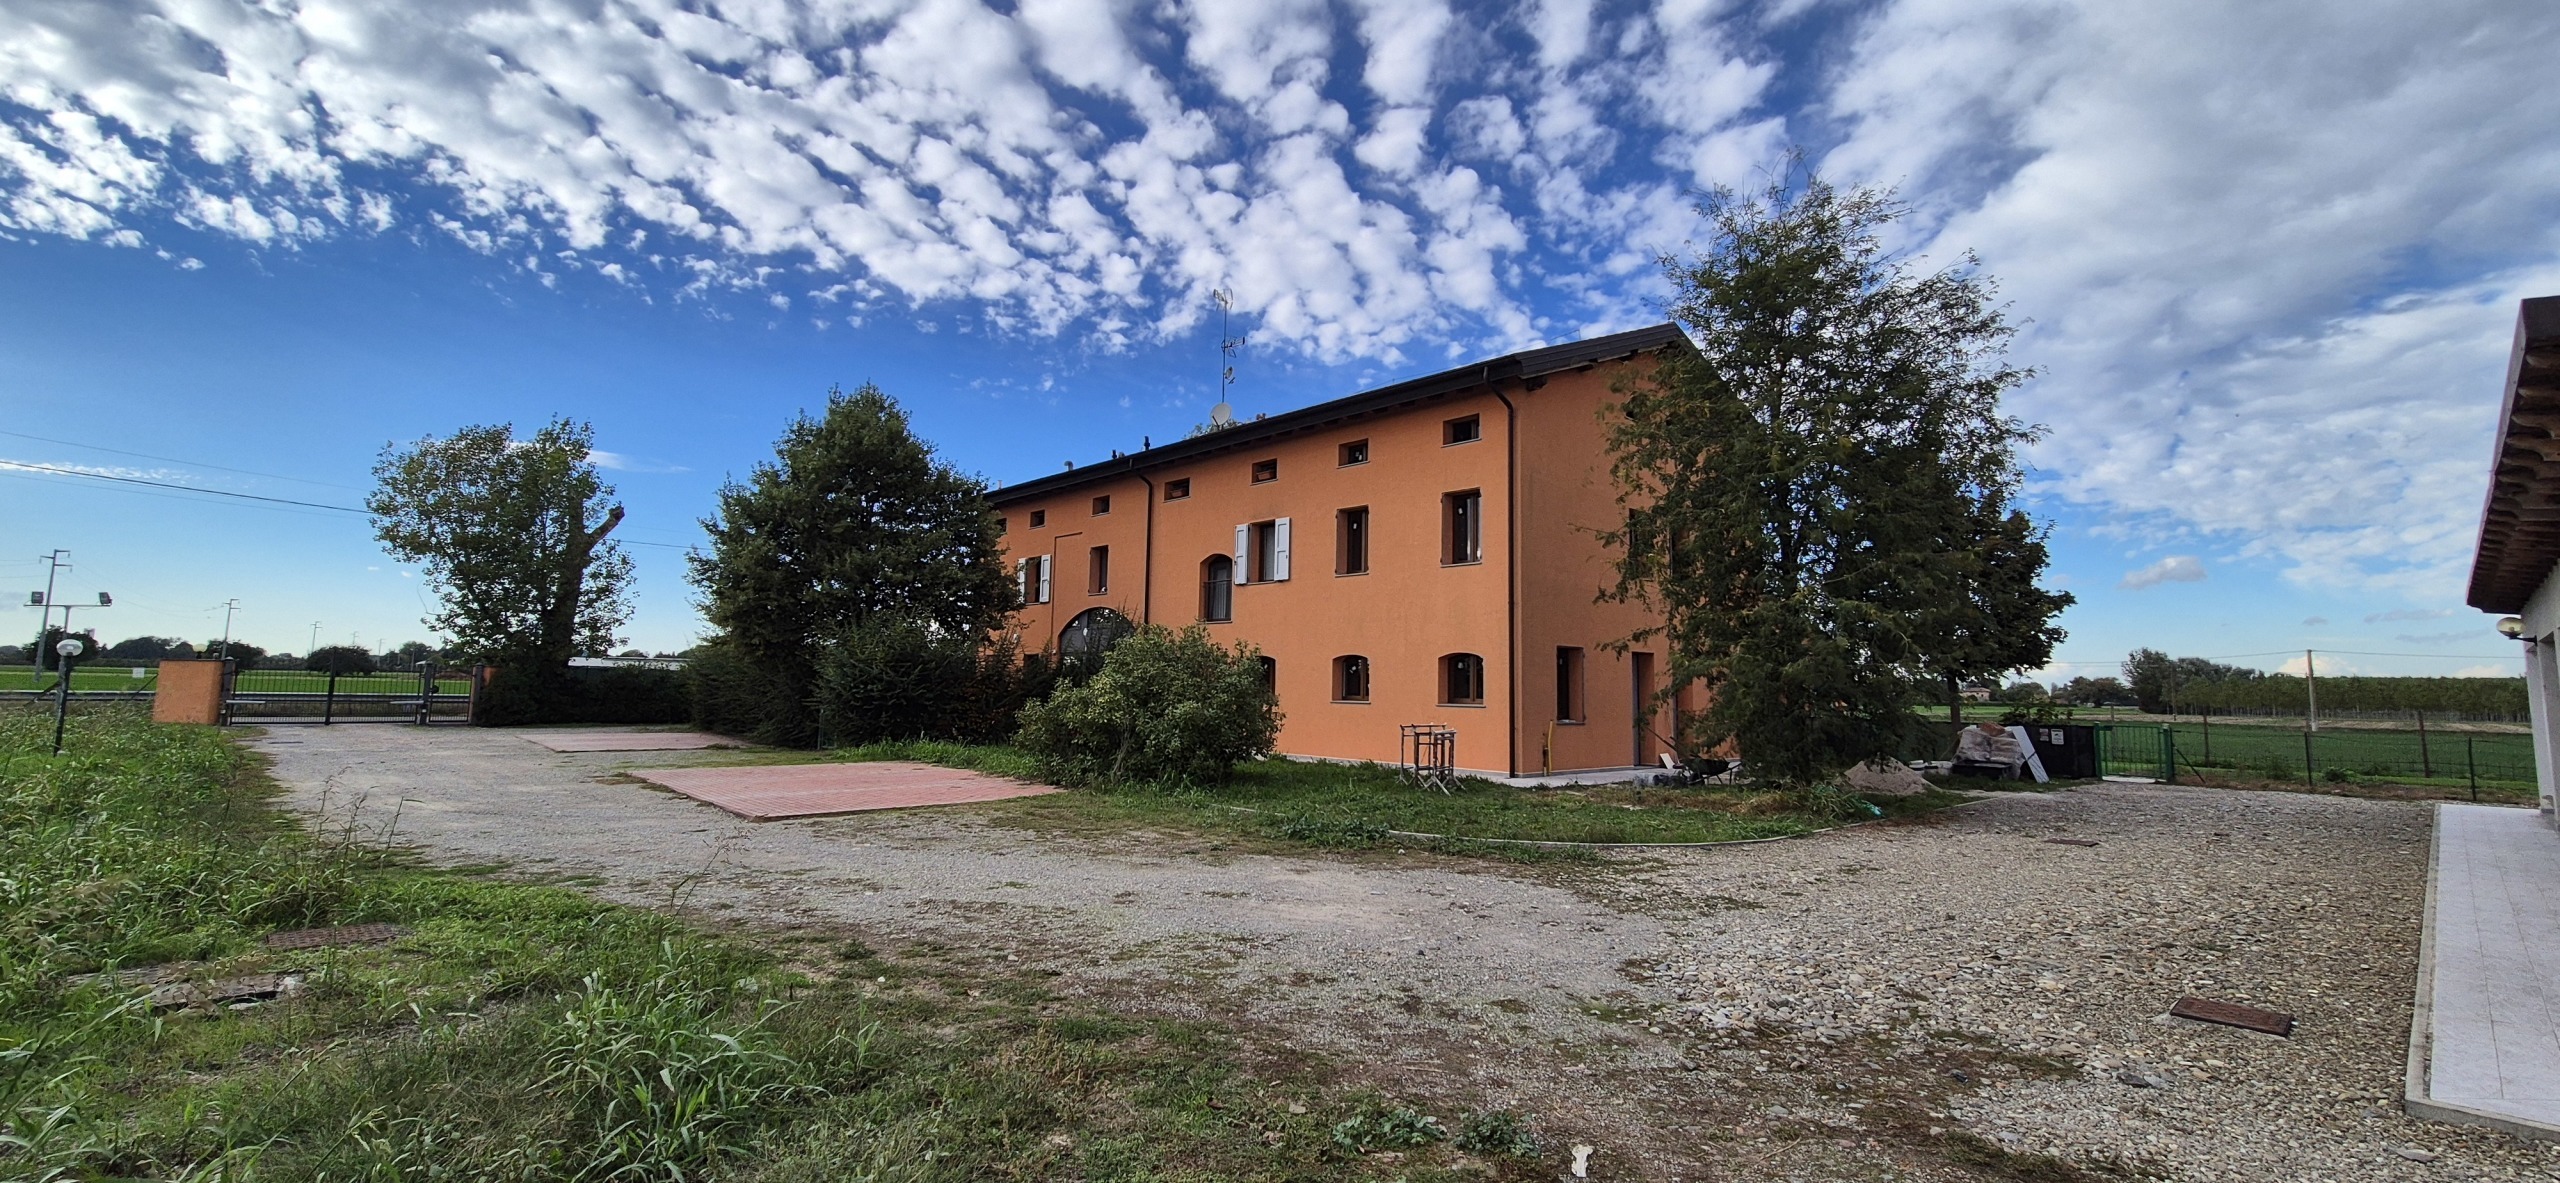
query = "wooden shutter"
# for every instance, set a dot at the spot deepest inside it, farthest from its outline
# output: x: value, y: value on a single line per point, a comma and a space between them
x: 1044, y: 579
x: 1280, y: 549
x: 1242, y: 573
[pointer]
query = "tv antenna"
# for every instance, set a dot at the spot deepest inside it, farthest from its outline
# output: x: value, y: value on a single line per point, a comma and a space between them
x: 1227, y: 346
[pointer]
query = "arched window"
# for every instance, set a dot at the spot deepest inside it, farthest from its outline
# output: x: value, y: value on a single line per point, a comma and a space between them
x: 1086, y: 638
x: 1462, y: 680
x: 1218, y: 588
x: 1351, y: 678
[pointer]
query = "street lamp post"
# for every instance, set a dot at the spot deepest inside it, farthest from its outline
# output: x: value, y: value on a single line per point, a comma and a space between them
x: 69, y: 647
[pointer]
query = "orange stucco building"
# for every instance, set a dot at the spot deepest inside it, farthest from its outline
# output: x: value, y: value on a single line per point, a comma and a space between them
x: 1419, y: 553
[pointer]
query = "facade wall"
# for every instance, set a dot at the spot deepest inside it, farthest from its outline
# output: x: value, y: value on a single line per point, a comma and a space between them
x: 1404, y: 614
x: 1410, y: 609
x: 1566, y: 496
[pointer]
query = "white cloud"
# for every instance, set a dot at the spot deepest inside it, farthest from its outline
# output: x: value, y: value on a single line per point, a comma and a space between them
x: 2174, y: 569
x: 2411, y: 614
x: 2273, y: 287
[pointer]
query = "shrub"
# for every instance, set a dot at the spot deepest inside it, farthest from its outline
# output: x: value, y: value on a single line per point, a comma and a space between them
x: 900, y: 679
x: 1379, y: 1128
x: 733, y: 695
x: 1497, y: 1131
x: 1168, y: 707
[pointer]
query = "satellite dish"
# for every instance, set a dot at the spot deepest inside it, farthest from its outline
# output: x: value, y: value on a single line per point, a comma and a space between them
x: 1222, y: 414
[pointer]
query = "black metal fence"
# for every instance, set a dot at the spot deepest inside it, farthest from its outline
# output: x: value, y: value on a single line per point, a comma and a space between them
x: 2464, y: 758
x: 426, y: 695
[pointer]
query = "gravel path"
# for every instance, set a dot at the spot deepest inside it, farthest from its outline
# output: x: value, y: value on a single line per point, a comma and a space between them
x: 1952, y: 1000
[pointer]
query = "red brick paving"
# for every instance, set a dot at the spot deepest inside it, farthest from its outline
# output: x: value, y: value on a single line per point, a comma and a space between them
x: 810, y: 790
x: 629, y: 741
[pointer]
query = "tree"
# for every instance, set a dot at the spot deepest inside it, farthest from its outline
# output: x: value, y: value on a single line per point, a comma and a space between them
x: 41, y: 653
x: 854, y: 519
x: 1999, y: 619
x: 139, y: 649
x: 512, y: 537
x: 410, y: 654
x: 2159, y: 682
x: 244, y: 655
x: 342, y: 660
x: 1818, y: 499
x: 2092, y: 692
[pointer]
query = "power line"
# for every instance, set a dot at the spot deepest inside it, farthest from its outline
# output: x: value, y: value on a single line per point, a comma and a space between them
x: 135, y: 480
x: 6, y: 465
x: 174, y: 460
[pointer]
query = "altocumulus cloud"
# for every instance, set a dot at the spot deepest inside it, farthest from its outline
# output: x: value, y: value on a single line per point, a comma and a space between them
x: 2269, y: 250
x: 2174, y: 569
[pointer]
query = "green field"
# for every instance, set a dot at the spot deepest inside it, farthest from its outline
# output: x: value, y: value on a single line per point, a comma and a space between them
x: 2441, y: 757
x: 105, y: 677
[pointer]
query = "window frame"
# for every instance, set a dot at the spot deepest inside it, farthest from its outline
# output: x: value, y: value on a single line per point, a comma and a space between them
x: 1351, y: 540
x: 1228, y: 594
x: 1345, y: 669
x: 1450, y: 665
x: 1462, y: 528
x: 1102, y: 505
x: 1097, y: 573
x: 1039, y: 519
x: 1472, y: 425
x: 1573, y: 697
x: 1265, y: 471
x: 1352, y: 453
x: 1178, y: 489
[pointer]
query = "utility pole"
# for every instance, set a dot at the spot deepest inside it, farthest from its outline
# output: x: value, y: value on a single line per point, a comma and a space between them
x: 2311, y: 692
x: 227, y: 610
x: 53, y: 567
x: 315, y: 639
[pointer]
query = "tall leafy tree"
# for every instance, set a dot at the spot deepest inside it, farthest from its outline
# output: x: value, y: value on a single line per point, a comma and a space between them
x: 1818, y: 499
x: 854, y: 520
x: 512, y: 535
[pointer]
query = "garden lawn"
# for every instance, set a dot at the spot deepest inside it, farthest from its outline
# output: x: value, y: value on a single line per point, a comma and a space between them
x: 527, y: 1032
x: 1366, y: 804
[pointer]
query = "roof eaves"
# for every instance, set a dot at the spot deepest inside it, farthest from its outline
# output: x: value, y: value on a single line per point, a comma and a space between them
x: 1531, y: 363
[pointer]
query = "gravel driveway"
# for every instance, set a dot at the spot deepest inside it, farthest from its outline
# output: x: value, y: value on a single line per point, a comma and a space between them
x: 1953, y: 1000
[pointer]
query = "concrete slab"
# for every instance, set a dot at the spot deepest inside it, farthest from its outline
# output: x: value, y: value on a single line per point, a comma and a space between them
x: 815, y: 790
x: 630, y: 741
x: 2484, y: 1044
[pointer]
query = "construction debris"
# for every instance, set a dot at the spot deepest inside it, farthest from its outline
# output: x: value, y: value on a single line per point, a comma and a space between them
x: 2232, y: 1014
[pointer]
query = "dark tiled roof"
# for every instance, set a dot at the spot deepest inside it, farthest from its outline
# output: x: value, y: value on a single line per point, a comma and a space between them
x: 2520, y: 527
x: 1526, y: 364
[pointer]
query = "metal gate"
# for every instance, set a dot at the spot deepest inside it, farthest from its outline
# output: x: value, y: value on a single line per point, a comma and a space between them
x: 2137, y: 751
x: 424, y: 695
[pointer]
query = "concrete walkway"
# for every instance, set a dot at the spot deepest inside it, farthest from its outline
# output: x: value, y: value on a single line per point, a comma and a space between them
x: 2485, y: 1041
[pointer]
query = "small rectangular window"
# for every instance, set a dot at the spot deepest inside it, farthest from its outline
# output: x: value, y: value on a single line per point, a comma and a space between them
x: 1351, y: 542
x: 1462, y: 680
x: 1098, y: 574
x: 1465, y: 430
x: 1462, y: 523
x: 1264, y: 553
x: 1351, y: 679
x: 1039, y: 518
x: 1265, y: 470
x: 1355, y: 452
x: 1003, y: 524
x: 1177, y: 490
x: 1101, y: 505
x: 1568, y: 684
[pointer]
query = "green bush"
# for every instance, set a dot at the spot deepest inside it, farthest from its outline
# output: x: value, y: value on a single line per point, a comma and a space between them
x: 734, y: 695
x: 899, y: 680
x: 1168, y: 707
x: 515, y: 697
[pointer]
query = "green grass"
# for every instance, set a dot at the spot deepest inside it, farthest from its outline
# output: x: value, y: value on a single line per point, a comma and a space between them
x: 119, y: 676
x: 1361, y: 805
x: 2446, y: 759
x: 530, y: 1033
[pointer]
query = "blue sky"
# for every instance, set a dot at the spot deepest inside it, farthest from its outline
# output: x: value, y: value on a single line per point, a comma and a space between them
x: 2269, y: 255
